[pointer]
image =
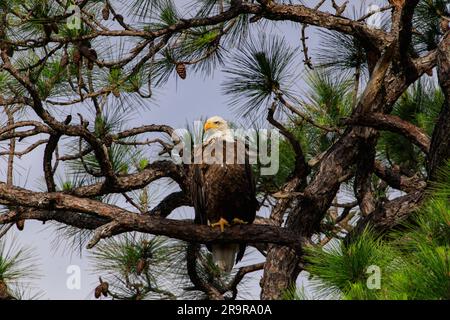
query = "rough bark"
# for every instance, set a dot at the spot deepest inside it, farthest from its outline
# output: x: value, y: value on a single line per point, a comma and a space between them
x: 392, y: 70
x: 389, y: 215
x: 394, y: 178
x: 317, y: 197
x: 123, y: 220
x: 440, y: 142
x: 394, y: 124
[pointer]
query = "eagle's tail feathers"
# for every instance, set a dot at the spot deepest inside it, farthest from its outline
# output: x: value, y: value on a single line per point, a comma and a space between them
x: 224, y: 255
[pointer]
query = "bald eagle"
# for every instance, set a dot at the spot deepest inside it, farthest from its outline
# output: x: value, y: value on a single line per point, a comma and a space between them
x: 223, y: 192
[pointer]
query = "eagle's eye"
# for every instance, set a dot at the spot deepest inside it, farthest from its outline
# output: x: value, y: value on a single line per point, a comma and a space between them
x: 217, y: 122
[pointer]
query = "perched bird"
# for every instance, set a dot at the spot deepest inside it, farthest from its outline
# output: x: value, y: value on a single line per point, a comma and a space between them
x: 223, y: 194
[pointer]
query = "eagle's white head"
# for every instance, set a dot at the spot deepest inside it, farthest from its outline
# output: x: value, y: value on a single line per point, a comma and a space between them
x: 217, y: 127
x: 216, y: 123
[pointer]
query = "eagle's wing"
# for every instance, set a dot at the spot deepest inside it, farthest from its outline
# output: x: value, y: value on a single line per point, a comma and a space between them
x: 252, y: 181
x: 252, y: 191
x: 198, y: 195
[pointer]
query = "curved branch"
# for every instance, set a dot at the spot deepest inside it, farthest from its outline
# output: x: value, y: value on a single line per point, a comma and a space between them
x: 128, y: 221
x: 192, y: 254
x: 134, y: 181
x: 440, y: 143
x: 170, y: 203
x: 301, y: 167
x: 394, y: 124
x: 374, y: 39
x: 389, y: 215
x: 398, y: 181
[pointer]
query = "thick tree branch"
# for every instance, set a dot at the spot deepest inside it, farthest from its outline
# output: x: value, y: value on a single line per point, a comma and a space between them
x: 134, y: 181
x: 374, y: 39
x: 100, y: 149
x: 440, y: 142
x: 394, y: 178
x: 394, y: 124
x: 403, y: 15
x: 170, y: 203
x: 242, y: 272
x: 192, y: 255
x: 389, y: 215
x: 301, y: 167
x: 128, y: 221
x: 282, y: 264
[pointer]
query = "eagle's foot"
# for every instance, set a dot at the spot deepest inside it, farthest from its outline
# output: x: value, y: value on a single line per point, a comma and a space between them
x: 238, y: 221
x: 221, y: 223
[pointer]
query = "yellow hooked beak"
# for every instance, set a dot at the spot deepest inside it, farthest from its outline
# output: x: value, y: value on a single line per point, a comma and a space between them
x: 209, y: 125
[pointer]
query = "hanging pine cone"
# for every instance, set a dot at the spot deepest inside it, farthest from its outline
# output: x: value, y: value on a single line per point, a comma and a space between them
x: 8, y: 48
x: 105, y: 12
x: 10, y: 51
x: 140, y: 266
x: 20, y: 224
x: 87, y: 52
x: 119, y: 18
x: 98, y: 291
x: 55, y: 27
x: 64, y: 59
x: 116, y: 92
x: 90, y: 64
x: 105, y: 287
x: 76, y: 57
x: 4, y: 294
x: 181, y: 70
x: 48, y: 30
x: 93, y: 54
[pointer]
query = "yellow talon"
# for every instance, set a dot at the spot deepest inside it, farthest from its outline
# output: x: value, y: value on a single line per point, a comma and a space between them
x: 239, y: 221
x: 221, y: 223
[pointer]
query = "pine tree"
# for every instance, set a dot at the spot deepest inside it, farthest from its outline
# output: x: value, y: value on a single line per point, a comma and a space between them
x: 364, y: 116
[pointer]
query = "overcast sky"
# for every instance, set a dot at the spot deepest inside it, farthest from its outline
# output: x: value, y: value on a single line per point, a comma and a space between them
x: 178, y: 103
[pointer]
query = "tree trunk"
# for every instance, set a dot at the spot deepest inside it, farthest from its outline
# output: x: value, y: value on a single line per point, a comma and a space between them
x: 440, y: 142
x: 280, y: 272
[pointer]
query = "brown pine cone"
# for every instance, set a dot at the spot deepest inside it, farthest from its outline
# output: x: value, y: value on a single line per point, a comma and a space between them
x: 98, y: 291
x: 55, y: 27
x: 20, y: 224
x: 105, y: 12
x: 10, y: 51
x: 140, y: 266
x: 76, y: 57
x: 181, y: 70
x: 116, y: 92
x: 105, y: 286
x: 48, y: 30
x: 3, y: 291
x: 64, y: 59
